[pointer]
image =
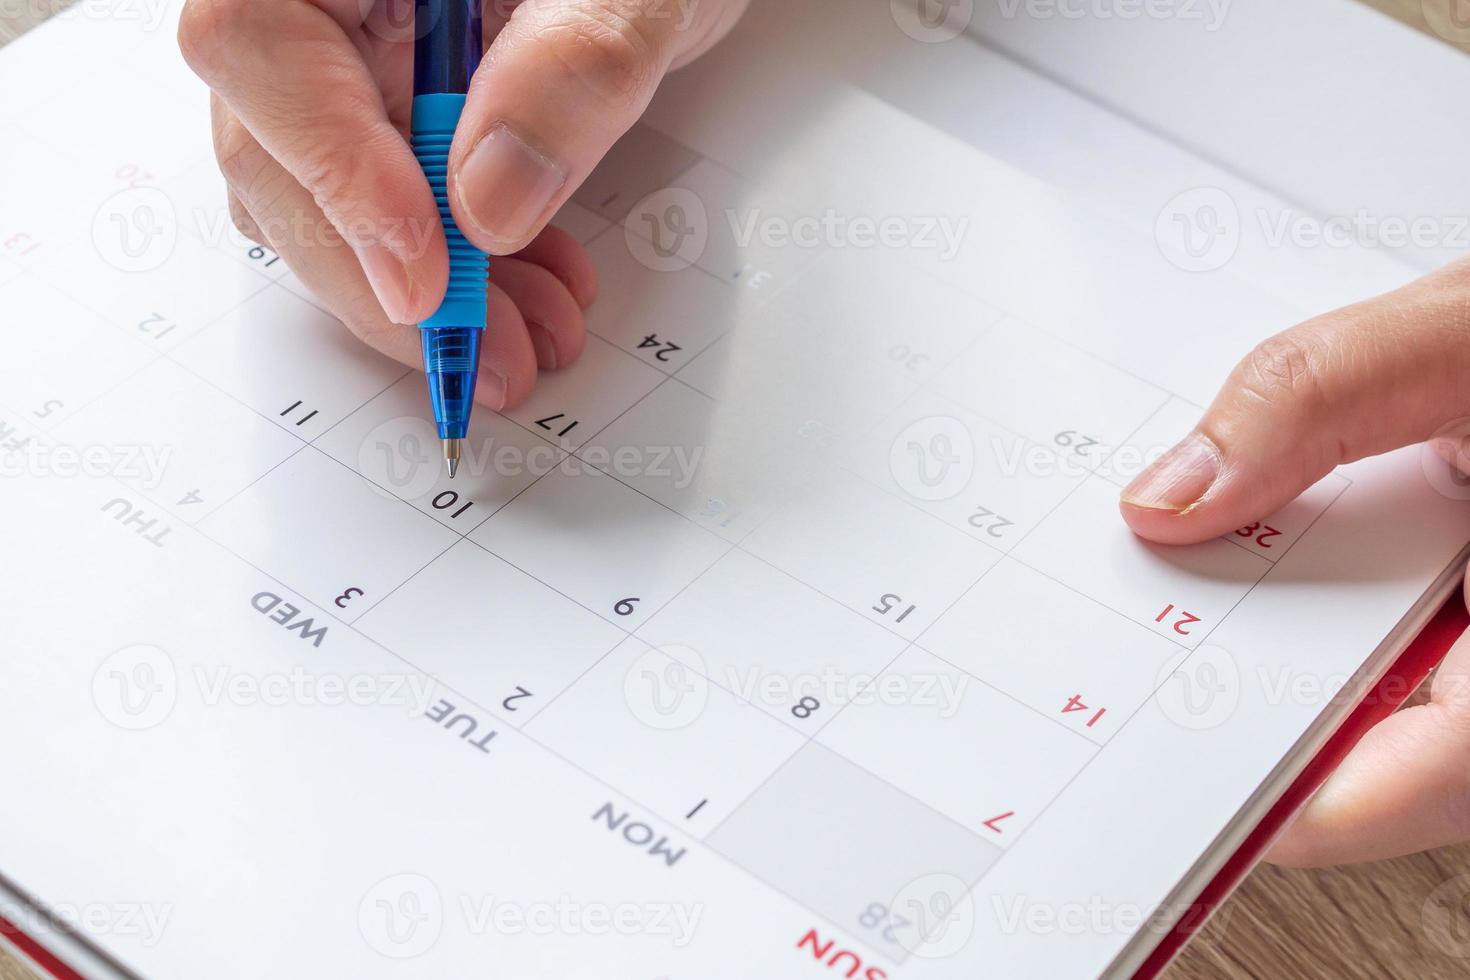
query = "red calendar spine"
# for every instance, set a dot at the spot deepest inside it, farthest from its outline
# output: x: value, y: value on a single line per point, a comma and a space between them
x: 1402, y: 679
x: 39, y: 956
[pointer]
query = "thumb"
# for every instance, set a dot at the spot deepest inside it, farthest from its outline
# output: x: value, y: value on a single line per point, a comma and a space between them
x: 1403, y: 788
x: 1355, y: 383
x: 563, y: 80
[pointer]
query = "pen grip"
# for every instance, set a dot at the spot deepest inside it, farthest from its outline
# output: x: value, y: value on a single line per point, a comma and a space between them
x: 434, y: 120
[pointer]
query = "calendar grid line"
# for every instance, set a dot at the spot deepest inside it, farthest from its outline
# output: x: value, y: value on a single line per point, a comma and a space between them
x: 352, y: 627
x: 296, y: 452
x: 465, y: 533
x: 633, y: 634
x: 1009, y: 555
x: 1270, y: 567
x: 910, y: 644
x: 600, y: 431
x: 900, y: 790
x: 693, y: 840
x: 1233, y: 538
x: 1154, y: 693
x: 366, y: 402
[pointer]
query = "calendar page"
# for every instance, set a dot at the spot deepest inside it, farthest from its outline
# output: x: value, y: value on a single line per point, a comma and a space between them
x: 792, y: 632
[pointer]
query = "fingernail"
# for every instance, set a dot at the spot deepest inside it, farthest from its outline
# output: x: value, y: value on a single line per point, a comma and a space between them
x: 389, y: 278
x: 1179, y: 479
x: 490, y: 390
x: 505, y: 186
x: 545, y: 347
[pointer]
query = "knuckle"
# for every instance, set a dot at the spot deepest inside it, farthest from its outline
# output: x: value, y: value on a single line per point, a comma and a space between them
x: 617, y: 55
x: 331, y: 176
x: 369, y: 325
x: 1286, y: 371
x: 241, y: 158
x: 244, y: 223
x: 205, y: 27
x: 252, y: 174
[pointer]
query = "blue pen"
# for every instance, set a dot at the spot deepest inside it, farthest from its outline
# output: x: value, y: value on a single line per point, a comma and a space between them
x: 449, y: 46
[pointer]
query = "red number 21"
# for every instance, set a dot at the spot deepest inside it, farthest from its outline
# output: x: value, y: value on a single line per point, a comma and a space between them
x: 1185, y: 619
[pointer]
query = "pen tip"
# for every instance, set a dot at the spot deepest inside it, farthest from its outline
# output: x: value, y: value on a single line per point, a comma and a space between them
x: 451, y: 456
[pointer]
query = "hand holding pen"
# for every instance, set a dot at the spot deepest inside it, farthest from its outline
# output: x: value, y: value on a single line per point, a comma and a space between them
x: 312, y: 109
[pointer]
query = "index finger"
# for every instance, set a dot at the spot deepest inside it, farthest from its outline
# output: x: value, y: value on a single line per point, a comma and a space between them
x: 296, y: 78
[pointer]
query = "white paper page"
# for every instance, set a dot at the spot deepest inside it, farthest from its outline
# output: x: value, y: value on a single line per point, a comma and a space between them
x: 792, y: 632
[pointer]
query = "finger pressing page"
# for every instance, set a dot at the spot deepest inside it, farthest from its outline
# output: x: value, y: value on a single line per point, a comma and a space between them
x: 1404, y: 788
x: 1354, y: 383
x: 507, y: 358
x: 553, y: 318
x: 564, y: 257
x: 299, y: 85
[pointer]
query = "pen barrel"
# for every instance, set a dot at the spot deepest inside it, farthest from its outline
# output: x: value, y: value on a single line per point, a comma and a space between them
x: 434, y: 120
x: 452, y: 364
x: 449, y: 44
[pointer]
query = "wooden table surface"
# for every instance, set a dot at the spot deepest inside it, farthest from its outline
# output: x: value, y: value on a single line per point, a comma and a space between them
x: 1406, y: 919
